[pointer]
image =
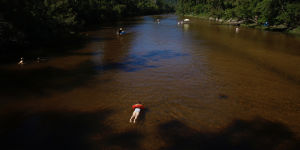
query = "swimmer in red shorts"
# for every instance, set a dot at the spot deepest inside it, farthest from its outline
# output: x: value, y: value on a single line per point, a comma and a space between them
x: 137, y: 109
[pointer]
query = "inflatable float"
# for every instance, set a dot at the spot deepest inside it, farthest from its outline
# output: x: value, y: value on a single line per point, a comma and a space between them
x: 137, y: 106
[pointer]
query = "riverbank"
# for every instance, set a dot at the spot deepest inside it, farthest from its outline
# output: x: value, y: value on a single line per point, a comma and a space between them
x: 295, y: 31
x: 236, y: 22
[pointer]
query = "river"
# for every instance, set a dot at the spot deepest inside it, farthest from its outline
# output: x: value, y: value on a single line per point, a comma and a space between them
x: 204, y: 86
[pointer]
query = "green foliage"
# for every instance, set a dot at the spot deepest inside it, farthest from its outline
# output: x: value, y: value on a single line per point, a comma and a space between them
x: 290, y: 15
x: 274, y: 12
x: 199, y: 9
x: 40, y: 20
x: 266, y: 12
x: 229, y: 13
x: 119, y: 10
x: 295, y: 30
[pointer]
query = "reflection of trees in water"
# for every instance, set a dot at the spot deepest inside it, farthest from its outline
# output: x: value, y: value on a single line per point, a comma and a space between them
x: 186, y: 26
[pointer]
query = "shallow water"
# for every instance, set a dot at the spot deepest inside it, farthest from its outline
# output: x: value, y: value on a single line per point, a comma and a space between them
x: 204, y: 85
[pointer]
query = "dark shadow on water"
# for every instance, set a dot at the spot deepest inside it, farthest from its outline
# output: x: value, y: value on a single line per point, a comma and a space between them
x: 223, y: 96
x: 257, y: 134
x: 126, y: 140
x: 142, y: 117
x: 20, y: 83
x: 54, y: 49
x: 59, y: 130
x: 64, y: 130
x: 78, y: 130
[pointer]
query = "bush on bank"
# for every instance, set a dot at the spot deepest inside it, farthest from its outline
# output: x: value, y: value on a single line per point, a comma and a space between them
x: 272, y: 13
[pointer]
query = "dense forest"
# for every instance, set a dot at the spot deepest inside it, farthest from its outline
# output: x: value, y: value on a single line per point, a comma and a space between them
x: 270, y: 12
x: 28, y: 21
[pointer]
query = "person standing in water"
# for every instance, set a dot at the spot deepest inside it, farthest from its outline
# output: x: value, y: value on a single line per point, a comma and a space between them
x: 137, y: 109
x: 237, y: 29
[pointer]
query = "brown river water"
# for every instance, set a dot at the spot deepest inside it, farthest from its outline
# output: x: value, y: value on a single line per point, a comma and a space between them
x: 204, y: 86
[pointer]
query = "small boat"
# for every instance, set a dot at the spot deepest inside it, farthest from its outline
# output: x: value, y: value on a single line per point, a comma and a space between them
x: 186, y: 20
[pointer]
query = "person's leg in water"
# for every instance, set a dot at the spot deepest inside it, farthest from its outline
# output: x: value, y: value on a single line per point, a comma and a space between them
x: 132, y: 116
x: 136, y: 115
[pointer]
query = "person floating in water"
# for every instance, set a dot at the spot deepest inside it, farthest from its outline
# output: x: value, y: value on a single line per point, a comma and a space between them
x: 121, y: 31
x: 137, y: 109
x: 237, y: 29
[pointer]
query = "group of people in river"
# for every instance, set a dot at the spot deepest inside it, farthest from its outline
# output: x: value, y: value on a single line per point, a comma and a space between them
x: 38, y: 60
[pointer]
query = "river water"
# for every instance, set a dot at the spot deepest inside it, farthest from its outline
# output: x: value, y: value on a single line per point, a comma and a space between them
x: 204, y: 86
